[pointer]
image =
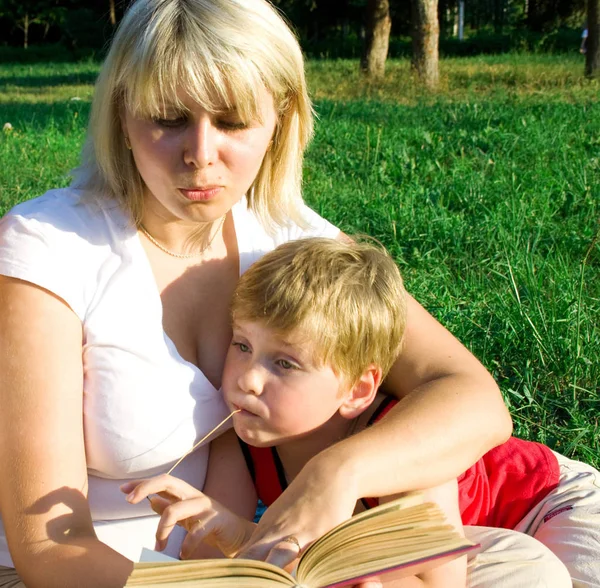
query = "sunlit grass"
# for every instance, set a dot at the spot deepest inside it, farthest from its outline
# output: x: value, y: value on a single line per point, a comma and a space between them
x: 486, y: 192
x: 553, y: 76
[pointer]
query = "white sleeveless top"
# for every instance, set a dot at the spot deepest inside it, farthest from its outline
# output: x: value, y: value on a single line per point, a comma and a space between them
x: 144, y: 405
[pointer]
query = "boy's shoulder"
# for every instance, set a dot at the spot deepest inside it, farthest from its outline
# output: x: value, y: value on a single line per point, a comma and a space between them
x: 376, y: 411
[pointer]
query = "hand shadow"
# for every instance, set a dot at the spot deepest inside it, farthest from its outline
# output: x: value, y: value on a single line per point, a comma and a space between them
x: 62, y: 527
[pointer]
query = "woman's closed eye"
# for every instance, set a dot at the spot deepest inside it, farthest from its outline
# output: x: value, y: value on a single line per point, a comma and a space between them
x: 170, y: 122
x: 232, y: 125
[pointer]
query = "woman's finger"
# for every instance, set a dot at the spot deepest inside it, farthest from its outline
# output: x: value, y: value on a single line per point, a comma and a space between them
x: 284, y: 553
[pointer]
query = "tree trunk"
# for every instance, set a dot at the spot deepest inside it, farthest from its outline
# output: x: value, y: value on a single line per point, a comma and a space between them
x: 499, y: 9
x: 377, y: 40
x: 112, y: 12
x: 26, y: 31
x: 592, y: 54
x: 425, y: 40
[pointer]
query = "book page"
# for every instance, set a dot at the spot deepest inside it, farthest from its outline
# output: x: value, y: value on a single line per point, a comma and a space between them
x: 149, y: 555
x: 405, y: 570
x: 210, y: 573
x: 391, y: 536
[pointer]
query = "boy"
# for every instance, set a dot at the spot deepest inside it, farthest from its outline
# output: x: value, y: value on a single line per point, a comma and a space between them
x: 317, y: 324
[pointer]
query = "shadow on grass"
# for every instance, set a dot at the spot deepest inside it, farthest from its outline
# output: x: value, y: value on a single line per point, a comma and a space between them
x: 36, y: 81
x: 43, y: 115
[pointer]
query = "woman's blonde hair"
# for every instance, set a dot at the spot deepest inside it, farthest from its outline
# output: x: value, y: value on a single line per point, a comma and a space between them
x: 346, y: 299
x: 220, y: 51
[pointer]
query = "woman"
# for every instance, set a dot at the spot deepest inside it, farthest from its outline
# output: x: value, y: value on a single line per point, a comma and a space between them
x: 115, y: 294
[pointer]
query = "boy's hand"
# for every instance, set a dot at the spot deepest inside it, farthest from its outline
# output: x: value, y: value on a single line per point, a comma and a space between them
x: 204, y: 519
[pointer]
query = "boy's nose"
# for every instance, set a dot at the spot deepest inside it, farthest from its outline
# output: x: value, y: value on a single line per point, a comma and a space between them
x: 251, y: 381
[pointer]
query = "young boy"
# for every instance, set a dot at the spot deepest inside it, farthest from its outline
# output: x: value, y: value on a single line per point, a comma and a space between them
x: 316, y: 325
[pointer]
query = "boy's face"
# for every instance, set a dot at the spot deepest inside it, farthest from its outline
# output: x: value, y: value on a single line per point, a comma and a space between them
x: 274, y: 380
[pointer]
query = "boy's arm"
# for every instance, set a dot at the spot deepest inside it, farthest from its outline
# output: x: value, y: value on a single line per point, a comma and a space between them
x: 228, y: 481
x: 449, y: 575
x: 214, y: 527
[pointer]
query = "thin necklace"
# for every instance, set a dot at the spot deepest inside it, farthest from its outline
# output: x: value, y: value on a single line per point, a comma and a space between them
x: 182, y: 255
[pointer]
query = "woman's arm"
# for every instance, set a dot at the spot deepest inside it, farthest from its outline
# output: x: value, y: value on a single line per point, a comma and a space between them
x: 450, y: 413
x: 43, y: 485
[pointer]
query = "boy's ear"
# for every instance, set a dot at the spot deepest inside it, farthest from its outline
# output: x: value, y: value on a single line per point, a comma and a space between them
x: 362, y: 393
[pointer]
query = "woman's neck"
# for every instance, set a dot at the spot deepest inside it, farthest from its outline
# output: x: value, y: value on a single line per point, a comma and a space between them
x: 183, y: 242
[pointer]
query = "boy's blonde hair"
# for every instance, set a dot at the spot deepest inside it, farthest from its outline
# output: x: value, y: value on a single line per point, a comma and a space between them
x: 221, y: 52
x: 346, y: 298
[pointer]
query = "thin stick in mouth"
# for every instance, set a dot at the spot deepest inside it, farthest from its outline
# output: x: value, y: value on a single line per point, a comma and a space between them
x: 198, y: 444
x: 203, y: 439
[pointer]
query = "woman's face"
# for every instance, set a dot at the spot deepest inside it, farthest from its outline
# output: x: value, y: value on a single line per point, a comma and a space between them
x: 197, y: 164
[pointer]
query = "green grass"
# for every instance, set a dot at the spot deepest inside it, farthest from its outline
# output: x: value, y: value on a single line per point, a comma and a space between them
x: 485, y: 192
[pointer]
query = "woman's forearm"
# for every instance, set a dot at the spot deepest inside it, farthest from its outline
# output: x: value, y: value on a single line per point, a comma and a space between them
x: 84, y: 561
x: 450, y: 412
x: 434, y: 434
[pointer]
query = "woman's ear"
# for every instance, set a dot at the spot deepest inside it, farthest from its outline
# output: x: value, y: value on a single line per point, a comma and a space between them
x: 362, y: 393
x: 124, y: 129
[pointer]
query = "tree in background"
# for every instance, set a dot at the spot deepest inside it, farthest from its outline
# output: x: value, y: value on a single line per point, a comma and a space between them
x: 377, y: 38
x: 26, y: 13
x: 425, y: 41
x: 112, y: 11
x: 547, y: 15
x: 592, y: 55
x: 326, y: 28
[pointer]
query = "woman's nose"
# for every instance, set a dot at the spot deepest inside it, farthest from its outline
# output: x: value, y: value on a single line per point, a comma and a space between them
x: 201, y: 143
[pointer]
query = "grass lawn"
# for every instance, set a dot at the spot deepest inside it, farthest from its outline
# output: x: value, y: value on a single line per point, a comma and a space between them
x: 485, y: 192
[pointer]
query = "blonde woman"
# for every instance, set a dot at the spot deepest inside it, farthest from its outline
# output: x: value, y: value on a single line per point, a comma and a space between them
x: 115, y: 292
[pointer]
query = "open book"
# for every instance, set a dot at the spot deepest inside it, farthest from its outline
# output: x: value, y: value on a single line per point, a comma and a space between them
x: 402, y: 538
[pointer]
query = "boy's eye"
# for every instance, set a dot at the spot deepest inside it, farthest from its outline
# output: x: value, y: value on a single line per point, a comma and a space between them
x: 242, y: 346
x: 285, y: 364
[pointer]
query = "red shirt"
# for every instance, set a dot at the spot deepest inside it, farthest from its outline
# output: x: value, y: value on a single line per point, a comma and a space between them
x: 497, y: 491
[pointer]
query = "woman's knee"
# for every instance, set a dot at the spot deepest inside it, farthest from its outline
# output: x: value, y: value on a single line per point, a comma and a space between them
x: 509, y: 559
x: 9, y: 578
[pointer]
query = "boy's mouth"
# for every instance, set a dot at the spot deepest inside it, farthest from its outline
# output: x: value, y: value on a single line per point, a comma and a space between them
x: 243, y: 411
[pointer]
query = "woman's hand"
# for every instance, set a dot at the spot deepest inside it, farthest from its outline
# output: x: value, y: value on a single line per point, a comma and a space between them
x: 204, y: 519
x: 322, y: 496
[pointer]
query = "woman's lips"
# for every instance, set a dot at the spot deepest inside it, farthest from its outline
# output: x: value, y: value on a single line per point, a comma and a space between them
x: 202, y: 194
